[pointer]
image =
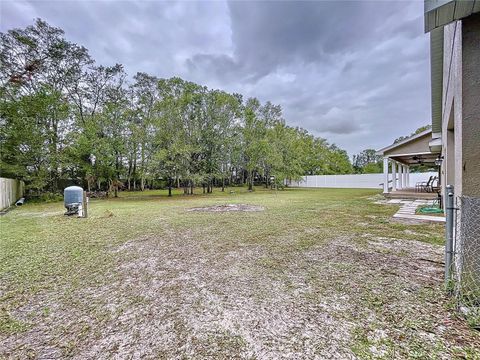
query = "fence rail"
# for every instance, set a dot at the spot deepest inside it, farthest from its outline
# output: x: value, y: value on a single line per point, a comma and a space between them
x: 10, y: 191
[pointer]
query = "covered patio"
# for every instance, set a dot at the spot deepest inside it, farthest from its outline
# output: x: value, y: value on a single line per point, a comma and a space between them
x: 397, y: 160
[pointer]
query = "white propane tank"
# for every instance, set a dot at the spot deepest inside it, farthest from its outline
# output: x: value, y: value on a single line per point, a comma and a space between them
x: 73, y: 200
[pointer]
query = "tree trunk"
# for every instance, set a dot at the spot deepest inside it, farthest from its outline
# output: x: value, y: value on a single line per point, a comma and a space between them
x: 223, y: 183
x: 129, y: 179
x: 134, y: 174
x: 142, y: 167
x: 117, y: 169
x: 53, y: 152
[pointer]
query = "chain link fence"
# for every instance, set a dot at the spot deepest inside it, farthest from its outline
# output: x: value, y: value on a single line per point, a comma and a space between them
x: 466, y: 260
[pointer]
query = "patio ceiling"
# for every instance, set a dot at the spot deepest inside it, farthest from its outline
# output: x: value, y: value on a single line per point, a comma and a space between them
x: 416, y: 159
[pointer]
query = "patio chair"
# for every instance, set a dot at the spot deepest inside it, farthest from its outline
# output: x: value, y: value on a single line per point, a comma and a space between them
x: 424, y: 185
x: 434, y: 187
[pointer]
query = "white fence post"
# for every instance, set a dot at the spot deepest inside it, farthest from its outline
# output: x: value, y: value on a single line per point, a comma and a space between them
x: 385, y: 175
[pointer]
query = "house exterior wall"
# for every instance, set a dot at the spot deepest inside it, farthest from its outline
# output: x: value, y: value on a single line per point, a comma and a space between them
x: 461, y: 106
x: 471, y: 105
x: 452, y: 106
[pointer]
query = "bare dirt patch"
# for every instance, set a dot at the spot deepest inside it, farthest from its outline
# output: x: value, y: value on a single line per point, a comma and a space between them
x: 33, y: 214
x: 228, y: 208
x: 336, y: 281
x: 186, y: 296
x: 405, y: 221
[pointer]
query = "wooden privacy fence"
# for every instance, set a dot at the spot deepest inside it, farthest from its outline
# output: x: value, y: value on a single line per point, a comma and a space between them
x: 10, y: 191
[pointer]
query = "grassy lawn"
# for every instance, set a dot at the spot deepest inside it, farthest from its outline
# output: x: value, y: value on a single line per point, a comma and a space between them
x: 323, y: 273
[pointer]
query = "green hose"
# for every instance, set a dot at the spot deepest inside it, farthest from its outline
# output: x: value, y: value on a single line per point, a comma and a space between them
x: 430, y: 210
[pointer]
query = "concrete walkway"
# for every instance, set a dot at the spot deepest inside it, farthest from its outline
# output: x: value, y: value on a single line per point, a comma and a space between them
x: 408, y: 207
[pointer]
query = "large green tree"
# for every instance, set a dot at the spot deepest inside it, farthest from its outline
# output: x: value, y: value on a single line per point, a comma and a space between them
x: 38, y: 68
x: 65, y: 119
x: 368, y: 162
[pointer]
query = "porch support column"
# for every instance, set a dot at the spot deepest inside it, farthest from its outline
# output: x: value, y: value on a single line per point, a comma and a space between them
x: 404, y: 176
x: 400, y: 176
x: 394, y: 175
x: 385, y: 175
x: 408, y: 177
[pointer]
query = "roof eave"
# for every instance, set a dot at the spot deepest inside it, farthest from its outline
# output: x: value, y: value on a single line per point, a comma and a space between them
x: 438, y: 13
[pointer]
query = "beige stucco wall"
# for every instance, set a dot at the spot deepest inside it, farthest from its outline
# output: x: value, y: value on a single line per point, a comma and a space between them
x: 419, y: 145
x: 461, y: 106
x: 471, y: 105
x: 452, y: 106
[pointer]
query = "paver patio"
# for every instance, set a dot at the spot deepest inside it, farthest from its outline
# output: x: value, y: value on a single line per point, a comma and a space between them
x: 408, y: 208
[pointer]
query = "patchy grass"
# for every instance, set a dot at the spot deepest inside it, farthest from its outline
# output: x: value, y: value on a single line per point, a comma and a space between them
x: 318, y: 273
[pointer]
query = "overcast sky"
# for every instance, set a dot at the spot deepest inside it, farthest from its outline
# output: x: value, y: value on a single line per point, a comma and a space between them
x: 354, y: 72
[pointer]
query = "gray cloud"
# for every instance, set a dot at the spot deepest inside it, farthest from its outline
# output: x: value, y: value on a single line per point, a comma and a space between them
x: 355, y: 72
x: 340, y: 127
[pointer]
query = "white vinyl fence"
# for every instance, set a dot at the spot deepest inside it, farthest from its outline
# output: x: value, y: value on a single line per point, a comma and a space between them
x: 10, y: 191
x: 366, y: 181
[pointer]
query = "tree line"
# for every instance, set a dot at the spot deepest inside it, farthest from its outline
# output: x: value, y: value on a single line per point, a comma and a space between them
x: 66, y: 119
